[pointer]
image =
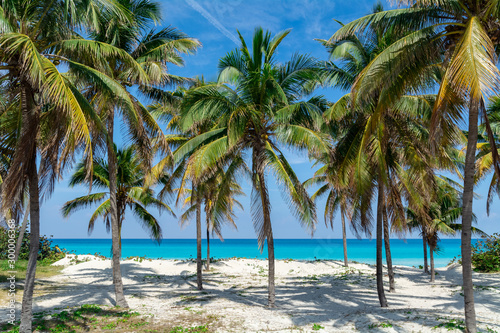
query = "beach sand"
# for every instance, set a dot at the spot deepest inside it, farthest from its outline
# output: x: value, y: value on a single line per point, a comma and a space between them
x: 307, y: 292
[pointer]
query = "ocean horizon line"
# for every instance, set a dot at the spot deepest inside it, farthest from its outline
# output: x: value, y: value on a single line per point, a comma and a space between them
x: 216, y: 238
x: 408, y: 252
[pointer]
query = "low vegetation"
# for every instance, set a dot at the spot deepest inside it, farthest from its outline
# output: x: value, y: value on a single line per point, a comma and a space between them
x: 43, y: 270
x: 47, y: 254
x: 95, y: 318
x: 486, y: 254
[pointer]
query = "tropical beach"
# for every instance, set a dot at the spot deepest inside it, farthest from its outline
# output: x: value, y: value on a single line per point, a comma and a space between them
x: 193, y: 166
x: 309, y: 293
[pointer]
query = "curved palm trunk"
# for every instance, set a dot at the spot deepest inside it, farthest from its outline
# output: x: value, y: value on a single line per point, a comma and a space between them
x: 198, y: 244
x: 24, y: 225
x: 271, y: 298
x: 29, y: 283
x: 30, y: 121
x: 208, y: 244
x: 115, y: 223
x: 424, y: 239
x: 431, y: 250
x: 469, y: 170
x: 388, y: 257
x: 379, y: 272
x: 344, y: 240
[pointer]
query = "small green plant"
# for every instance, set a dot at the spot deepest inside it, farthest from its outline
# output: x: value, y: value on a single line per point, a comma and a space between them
x: 451, y: 324
x: 317, y: 327
x: 489, y: 330
x: 197, y: 329
x: 110, y: 326
x: 384, y: 324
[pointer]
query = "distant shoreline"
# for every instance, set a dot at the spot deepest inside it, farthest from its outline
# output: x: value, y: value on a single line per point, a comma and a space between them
x: 352, y: 239
x: 404, y: 252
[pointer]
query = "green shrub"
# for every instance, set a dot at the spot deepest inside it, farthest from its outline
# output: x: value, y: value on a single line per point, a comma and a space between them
x: 317, y: 327
x: 47, y: 252
x: 486, y: 254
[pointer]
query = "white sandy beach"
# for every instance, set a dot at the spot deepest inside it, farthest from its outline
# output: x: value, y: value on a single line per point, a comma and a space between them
x: 321, y: 292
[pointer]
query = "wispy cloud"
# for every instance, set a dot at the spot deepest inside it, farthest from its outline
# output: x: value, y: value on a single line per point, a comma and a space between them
x: 215, y: 22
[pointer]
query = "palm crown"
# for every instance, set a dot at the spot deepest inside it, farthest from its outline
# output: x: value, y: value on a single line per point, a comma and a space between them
x: 251, y: 116
x: 130, y: 193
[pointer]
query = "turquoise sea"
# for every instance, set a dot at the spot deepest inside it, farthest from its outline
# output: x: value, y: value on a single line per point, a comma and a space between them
x: 404, y: 252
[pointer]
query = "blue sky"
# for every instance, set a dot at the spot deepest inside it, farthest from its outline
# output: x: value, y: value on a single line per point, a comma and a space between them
x: 215, y: 23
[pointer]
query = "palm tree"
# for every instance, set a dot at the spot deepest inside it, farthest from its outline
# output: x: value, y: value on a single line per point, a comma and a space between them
x: 130, y: 193
x: 414, y: 223
x: 369, y: 137
x: 263, y: 110
x: 354, y: 55
x: 54, y: 117
x: 339, y: 196
x: 384, y: 160
x: 183, y: 175
x: 460, y: 37
x: 152, y: 51
x: 218, y: 196
x: 444, y: 210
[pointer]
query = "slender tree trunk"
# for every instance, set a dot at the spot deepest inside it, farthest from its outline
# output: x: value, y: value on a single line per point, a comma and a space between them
x: 271, y: 298
x: 424, y: 239
x: 344, y: 240
x: 24, y: 224
x: 29, y: 283
x: 198, y: 243
x: 121, y: 217
x: 379, y: 272
x: 388, y: 257
x: 469, y: 170
x: 208, y: 245
x: 30, y: 123
x: 433, y: 274
x: 270, y: 253
x: 115, y: 223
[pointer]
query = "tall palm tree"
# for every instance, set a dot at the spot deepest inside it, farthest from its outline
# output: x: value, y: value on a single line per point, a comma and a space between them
x: 54, y: 117
x: 182, y: 176
x: 130, y: 193
x: 370, y: 136
x: 262, y: 111
x: 339, y: 197
x: 384, y: 161
x: 152, y: 51
x: 462, y: 36
x: 354, y: 54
